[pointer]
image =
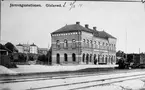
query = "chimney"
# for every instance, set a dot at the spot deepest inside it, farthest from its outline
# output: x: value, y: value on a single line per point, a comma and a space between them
x: 86, y: 26
x: 78, y: 23
x: 94, y: 28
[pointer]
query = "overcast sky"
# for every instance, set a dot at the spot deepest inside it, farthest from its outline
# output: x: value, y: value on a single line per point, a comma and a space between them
x: 34, y: 24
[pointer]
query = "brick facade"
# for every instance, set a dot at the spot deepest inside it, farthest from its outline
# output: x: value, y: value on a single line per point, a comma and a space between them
x: 81, y: 45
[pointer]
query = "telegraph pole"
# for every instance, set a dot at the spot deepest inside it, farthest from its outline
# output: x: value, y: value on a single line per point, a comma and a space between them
x: 126, y: 45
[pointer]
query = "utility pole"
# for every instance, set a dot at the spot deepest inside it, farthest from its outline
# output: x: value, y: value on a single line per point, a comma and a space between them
x: 92, y: 46
x: 126, y: 45
x: 78, y: 48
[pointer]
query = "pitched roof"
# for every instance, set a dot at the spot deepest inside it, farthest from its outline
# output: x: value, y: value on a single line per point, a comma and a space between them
x: 19, y: 44
x: 104, y: 34
x: 42, y: 48
x: 71, y: 28
x: 33, y: 44
x: 78, y: 27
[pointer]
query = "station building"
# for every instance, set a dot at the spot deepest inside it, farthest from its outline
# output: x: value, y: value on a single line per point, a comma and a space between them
x: 77, y: 44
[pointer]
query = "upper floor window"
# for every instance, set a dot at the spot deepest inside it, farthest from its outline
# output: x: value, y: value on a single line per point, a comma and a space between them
x: 94, y: 44
x: 114, y: 46
x: 57, y: 44
x: 88, y: 42
x: 99, y: 43
x: 73, y: 43
x: 84, y: 41
x: 103, y: 44
x: 65, y: 43
x: 91, y: 43
x: 107, y: 46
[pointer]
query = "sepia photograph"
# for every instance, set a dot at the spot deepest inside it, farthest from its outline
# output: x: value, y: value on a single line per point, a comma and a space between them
x: 72, y: 45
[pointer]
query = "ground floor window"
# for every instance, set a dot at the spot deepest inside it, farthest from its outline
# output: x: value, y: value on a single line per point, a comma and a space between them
x: 98, y: 58
x: 112, y: 60
x: 65, y: 57
x: 74, y: 57
x: 95, y: 59
x: 106, y: 59
x: 57, y: 58
x: 90, y: 57
x: 87, y: 58
x: 83, y: 58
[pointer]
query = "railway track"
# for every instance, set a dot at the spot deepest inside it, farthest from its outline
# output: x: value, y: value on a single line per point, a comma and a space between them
x: 90, y: 83
x: 80, y: 85
x: 71, y: 82
x: 77, y: 85
x: 44, y: 78
x: 49, y: 77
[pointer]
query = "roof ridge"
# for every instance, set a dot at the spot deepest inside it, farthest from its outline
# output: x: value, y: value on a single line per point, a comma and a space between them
x: 78, y: 27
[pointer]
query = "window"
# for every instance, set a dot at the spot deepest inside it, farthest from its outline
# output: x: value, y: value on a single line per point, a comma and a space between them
x: 57, y: 58
x: 58, y: 44
x: 103, y: 45
x: 90, y: 57
x: 103, y: 59
x: 65, y: 57
x: 73, y: 43
x: 114, y: 47
x: 107, y: 46
x: 99, y: 43
x: 84, y: 42
x: 88, y: 42
x: 65, y: 44
x: 94, y: 44
x: 91, y: 43
x: 74, y: 57
x: 106, y: 59
x: 83, y: 58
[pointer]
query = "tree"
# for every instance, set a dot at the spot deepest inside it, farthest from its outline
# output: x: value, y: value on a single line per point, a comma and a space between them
x: 120, y: 54
x: 4, y: 48
x: 11, y: 47
x: 49, y: 55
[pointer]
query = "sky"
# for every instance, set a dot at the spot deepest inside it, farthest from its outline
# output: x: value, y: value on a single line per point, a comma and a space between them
x: 123, y: 20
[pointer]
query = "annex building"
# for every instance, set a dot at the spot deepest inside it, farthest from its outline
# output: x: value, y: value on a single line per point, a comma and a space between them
x: 77, y: 44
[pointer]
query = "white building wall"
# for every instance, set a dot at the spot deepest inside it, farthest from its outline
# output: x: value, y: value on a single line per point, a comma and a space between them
x: 34, y: 49
x: 20, y: 49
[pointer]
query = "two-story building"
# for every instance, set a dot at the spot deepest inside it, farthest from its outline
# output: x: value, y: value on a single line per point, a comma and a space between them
x: 26, y: 48
x: 75, y: 44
